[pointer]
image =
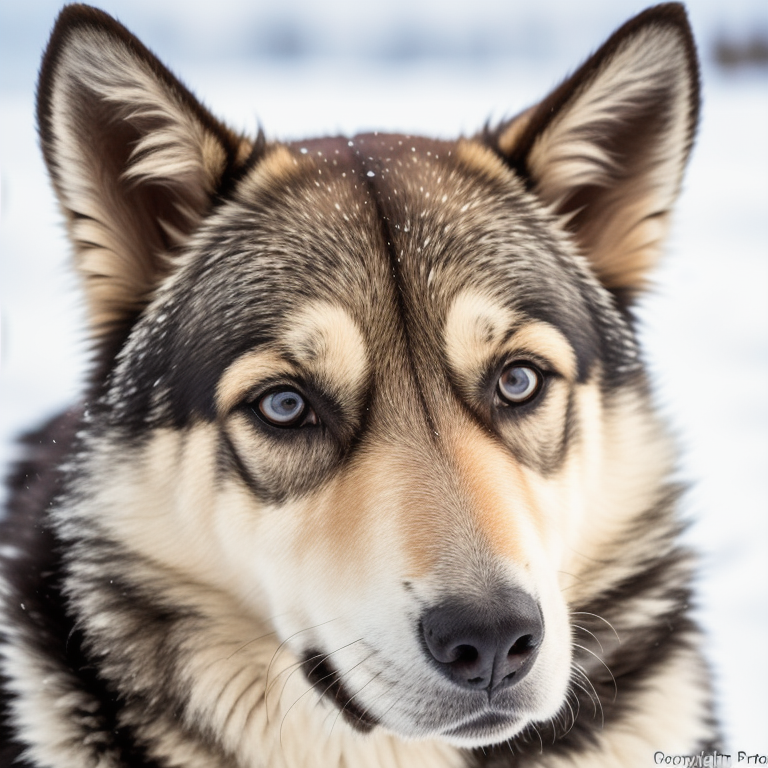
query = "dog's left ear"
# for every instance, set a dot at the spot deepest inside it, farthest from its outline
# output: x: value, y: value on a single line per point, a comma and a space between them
x: 607, y: 149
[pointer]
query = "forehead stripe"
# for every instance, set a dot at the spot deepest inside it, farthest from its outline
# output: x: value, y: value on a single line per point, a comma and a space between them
x: 396, y: 271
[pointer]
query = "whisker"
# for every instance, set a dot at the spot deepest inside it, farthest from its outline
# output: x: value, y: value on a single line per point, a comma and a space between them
x: 584, y: 629
x: 605, y: 621
x: 357, y: 693
x: 586, y: 678
x: 388, y: 709
x: 608, y: 669
x: 287, y: 711
x: 591, y: 559
x: 248, y: 688
x: 291, y: 669
x: 573, y: 576
x: 591, y: 694
x: 541, y: 741
x: 340, y: 675
x: 595, y: 702
x: 245, y: 645
x: 312, y: 687
x: 278, y: 650
x: 575, y: 715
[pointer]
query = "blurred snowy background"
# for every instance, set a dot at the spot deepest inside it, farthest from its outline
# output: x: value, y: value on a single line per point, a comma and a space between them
x: 428, y: 66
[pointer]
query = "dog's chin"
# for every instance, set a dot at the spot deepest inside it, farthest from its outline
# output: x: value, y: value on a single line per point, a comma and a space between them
x: 483, y: 730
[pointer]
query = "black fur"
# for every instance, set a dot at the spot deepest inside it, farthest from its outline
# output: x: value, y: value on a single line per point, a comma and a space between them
x: 35, y: 600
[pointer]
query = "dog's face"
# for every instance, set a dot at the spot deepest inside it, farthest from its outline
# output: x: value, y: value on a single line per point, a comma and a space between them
x: 381, y: 418
x: 372, y: 391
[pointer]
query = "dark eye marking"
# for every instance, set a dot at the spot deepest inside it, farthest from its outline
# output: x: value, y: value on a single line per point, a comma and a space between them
x: 285, y: 407
x: 520, y: 382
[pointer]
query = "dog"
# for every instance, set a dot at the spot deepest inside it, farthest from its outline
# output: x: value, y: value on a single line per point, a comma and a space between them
x: 367, y: 470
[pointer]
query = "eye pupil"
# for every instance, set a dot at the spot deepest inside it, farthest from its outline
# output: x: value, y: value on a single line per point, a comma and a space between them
x: 519, y: 383
x: 283, y: 407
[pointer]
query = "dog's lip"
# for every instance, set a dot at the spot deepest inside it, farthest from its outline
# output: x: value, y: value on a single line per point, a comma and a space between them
x: 484, y: 723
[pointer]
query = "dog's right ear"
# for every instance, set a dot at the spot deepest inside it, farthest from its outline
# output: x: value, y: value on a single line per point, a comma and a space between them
x: 135, y: 159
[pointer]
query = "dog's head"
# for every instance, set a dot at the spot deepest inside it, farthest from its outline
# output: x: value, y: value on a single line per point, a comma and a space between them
x: 380, y: 395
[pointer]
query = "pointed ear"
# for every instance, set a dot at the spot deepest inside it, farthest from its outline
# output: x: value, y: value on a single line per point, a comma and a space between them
x: 607, y: 149
x: 135, y: 160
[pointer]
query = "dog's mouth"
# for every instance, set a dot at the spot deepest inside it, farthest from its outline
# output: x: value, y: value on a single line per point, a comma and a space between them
x: 486, y: 725
x: 326, y: 680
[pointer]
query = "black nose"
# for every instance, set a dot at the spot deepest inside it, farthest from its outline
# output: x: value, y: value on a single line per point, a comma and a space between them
x: 480, y: 646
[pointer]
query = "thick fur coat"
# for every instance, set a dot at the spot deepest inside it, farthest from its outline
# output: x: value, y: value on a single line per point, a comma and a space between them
x: 367, y: 472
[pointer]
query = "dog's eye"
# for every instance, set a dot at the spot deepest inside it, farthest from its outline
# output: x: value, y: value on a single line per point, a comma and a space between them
x: 286, y: 408
x: 519, y: 383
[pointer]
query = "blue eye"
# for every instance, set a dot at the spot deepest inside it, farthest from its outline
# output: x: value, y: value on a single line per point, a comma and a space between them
x: 286, y: 408
x: 519, y: 383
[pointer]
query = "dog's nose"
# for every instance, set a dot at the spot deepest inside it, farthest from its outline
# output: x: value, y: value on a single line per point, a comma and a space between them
x: 479, y: 647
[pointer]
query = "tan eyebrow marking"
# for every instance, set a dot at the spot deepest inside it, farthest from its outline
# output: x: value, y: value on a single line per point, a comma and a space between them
x: 477, y: 330
x: 321, y: 339
x: 546, y: 340
x: 246, y: 371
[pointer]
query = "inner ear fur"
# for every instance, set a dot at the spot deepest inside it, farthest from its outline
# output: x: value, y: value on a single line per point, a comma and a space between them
x: 607, y: 149
x: 135, y: 159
